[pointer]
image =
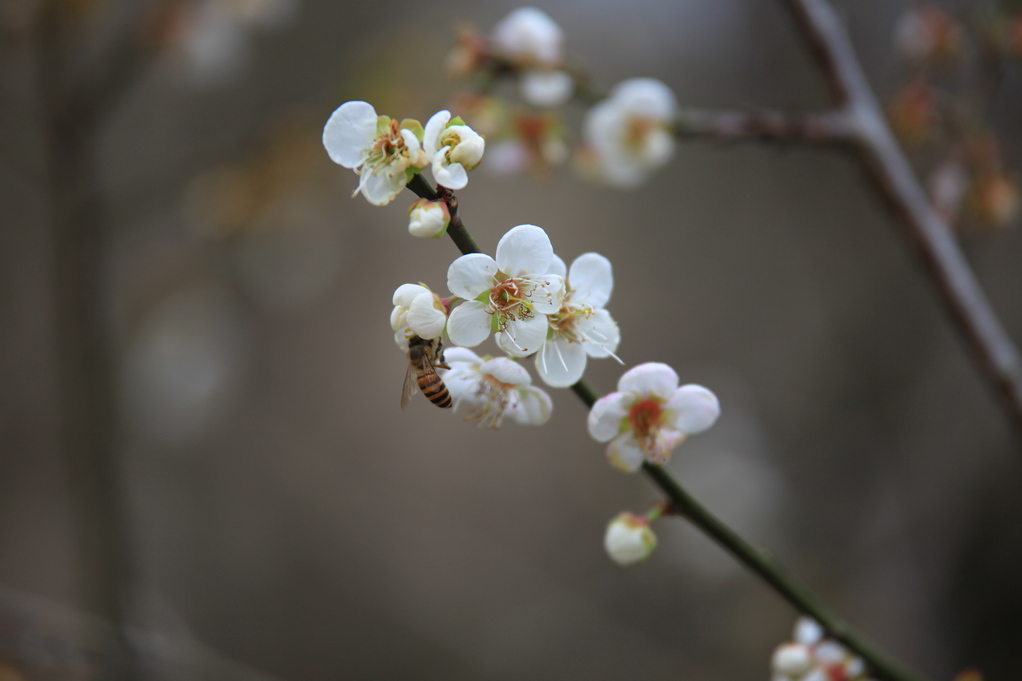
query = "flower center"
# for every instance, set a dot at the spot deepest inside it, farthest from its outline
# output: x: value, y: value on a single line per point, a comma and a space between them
x: 387, y: 146
x: 494, y: 399
x: 636, y: 132
x: 508, y: 300
x: 644, y: 418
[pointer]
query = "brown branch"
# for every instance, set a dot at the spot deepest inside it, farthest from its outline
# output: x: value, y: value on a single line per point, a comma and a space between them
x: 928, y: 233
x: 831, y: 126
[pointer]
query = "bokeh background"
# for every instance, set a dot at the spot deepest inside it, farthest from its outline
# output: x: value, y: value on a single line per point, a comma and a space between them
x: 278, y: 516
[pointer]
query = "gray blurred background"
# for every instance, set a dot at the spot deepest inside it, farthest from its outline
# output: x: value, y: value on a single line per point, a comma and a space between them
x: 281, y: 518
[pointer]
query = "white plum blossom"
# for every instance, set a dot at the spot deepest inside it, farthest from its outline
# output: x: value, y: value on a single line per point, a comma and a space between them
x: 510, y: 295
x: 417, y: 311
x: 650, y: 415
x: 453, y: 149
x: 530, y: 41
x: 529, y: 37
x: 629, y: 539
x: 383, y: 153
x: 630, y: 133
x: 493, y: 389
x: 428, y: 218
x: 814, y: 657
x: 581, y: 327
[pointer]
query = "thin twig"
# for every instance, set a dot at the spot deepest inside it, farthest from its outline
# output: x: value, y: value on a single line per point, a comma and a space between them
x: 929, y: 234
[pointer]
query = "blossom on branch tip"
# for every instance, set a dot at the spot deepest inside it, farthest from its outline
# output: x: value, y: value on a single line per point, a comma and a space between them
x: 629, y: 539
x: 453, y: 149
x: 630, y: 133
x: 417, y: 311
x: 510, y: 295
x: 493, y: 389
x: 428, y: 218
x: 650, y: 415
x: 383, y: 153
x: 581, y: 327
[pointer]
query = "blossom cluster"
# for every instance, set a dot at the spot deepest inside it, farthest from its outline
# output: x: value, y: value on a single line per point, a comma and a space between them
x: 812, y: 656
x: 625, y: 137
x: 386, y: 154
x: 525, y: 296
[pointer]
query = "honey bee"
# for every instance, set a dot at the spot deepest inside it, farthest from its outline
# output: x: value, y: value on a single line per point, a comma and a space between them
x: 423, y: 358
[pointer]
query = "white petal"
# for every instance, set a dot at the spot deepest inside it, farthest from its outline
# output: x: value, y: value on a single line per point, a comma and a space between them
x: 469, y: 150
x: 647, y: 97
x: 625, y: 454
x: 546, y: 88
x: 808, y: 631
x: 525, y: 249
x: 695, y: 407
x: 608, y: 416
x: 524, y: 336
x: 560, y: 362
x: 416, y: 155
x: 399, y: 318
x: 424, y: 318
x: 452, y: 176
x: 469, y: 324
x: 459, y: 355
x: 471, y: 274
x: 533, y: 407
x: 530, y: 35
x: 546, y: 293
x: 651, y: 378
x: 349, y: 131
x: 436, y: 124
x: 406, y: 293
x: 506, y: 371
x: 601, y: 333
x: 379, y: 189
x: 591, y: 280
x: 657, y: 148
x: 558, y: 267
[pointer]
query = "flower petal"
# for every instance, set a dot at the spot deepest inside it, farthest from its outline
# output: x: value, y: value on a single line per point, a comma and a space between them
x: 608, y: 415
x: 506, y: 371
x: 349, y: 131
x: 379, y: 189
x: 546, y: 292
x: 558, y: 267
x: 591, y: 280
x: 434, y: 127
x: 460, y: 355
x: 625, y: 454
x: 424, y: 318
x: 651, y: 378
x: 406, y: 293
x: 601, y: 333
x: 452, y: 176
x: 523, y: 337
x: 560, y: 362
x: 525, y: 249
x: 647, y: 97
x: 533, y: 407
x: 695, y: 408
x: 546, y: 88
x: 469, y: 324
x: 471, y: 274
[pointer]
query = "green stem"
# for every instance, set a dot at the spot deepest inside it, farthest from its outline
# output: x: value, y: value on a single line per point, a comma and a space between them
x: 683, y: 504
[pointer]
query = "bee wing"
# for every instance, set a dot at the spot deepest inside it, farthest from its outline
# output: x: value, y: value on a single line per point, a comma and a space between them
x: 410, y: 385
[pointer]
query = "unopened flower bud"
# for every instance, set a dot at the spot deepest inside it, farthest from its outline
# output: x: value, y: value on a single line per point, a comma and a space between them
x: 428, y: 218
x: 629, y: 539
